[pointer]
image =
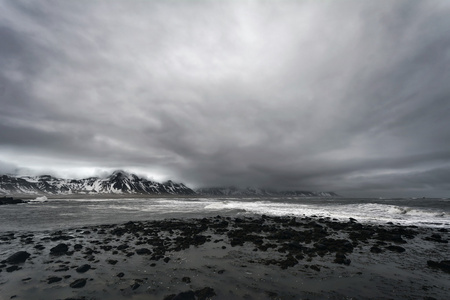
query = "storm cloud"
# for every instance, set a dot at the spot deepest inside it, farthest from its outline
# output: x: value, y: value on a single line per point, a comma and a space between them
x: 349, y: 96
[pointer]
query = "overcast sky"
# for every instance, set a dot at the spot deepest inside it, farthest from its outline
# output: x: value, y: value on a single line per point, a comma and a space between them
x: 347, y: 96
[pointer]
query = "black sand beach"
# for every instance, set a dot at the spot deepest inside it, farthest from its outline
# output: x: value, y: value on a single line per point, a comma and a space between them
x: 257, y: 257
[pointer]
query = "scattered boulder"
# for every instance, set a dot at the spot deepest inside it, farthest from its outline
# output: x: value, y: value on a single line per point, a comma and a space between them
x: 397, y: 249
x: 53, y: 279
x: 143, y: 251
x: 342, y: 259
x: 189, y: 295
x: 375, y: 249
x: 205, y: 293
x: 18, y: 257
x: 111, y: 261
x: 135, y: 285
x: 12, y: 269
x: 59, y: 249
x: 79, y: 283
x: 443, y: 265
x: 436, y: 238
x: 83, y: 268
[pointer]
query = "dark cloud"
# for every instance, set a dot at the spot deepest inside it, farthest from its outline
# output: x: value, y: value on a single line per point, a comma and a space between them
x: 349, y: 96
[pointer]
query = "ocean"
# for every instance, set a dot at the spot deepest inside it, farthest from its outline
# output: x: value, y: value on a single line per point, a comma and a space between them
x: 56, y: 214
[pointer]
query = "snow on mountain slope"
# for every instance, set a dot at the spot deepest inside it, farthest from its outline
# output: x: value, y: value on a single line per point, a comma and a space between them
x: 119, y: 182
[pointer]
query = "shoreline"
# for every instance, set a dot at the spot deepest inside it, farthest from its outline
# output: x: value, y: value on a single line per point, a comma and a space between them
x: 259, y: 257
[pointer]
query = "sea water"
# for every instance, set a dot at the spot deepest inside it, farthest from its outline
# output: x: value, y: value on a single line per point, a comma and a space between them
x: 55, y: 214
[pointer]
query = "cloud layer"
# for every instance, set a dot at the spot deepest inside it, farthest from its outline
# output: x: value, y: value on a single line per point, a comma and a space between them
x: 346, y: 96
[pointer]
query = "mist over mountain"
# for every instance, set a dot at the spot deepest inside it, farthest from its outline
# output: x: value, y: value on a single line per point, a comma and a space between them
x: 121, y: 182
x: 257, y: 192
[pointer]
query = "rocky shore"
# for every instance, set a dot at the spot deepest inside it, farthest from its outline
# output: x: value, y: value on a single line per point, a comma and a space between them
x: 10, y: 200
x: 259, y: 257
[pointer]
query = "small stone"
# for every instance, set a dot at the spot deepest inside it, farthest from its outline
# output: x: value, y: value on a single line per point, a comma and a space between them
x: 120, y: 275
x: 143, y: 251
x: 111, y: 261
x: 375, y: 249
x: 186, y: 279
x: 135, y: 286
x: 397, y: 249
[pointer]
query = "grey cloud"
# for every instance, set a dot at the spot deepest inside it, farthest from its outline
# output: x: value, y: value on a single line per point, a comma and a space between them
x: 300, y: 95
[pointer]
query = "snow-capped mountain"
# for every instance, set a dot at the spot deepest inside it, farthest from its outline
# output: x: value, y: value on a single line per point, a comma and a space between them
x: 256, y: 192
x: 119, y: 182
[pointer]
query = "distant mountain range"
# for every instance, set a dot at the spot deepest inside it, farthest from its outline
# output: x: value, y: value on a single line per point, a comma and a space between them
x: 256, y: 192
x: 121, y: 182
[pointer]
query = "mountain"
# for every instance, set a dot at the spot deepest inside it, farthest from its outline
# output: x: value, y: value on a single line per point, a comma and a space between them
x: 119, y: 182
x: 256, y: 192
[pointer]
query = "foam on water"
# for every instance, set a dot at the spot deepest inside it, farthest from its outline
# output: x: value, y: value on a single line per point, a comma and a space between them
x: 67, y: 213
x: 363, y: 212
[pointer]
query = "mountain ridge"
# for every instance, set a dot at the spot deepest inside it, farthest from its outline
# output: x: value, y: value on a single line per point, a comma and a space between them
x: 258, y: 192
x: 123, y: 183
x: 119, y: 182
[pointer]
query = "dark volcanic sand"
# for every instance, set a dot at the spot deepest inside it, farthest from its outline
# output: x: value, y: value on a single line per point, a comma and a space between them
x: 222, y: 258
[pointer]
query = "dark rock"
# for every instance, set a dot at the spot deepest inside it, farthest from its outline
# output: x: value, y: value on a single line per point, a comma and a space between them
x: 397, y: 249
x: 79, y: 283
x: 166, y: 259
x: 59, y: 249
x: 12, y: 269
x: 62, y: 269
x: 111, y: 261
x: 205, y: 293
x: 315, y: 268
x: 53, y: 279
x: 18, y: 257
x: 120, y: 275
x: 189, y: 295
x: 122, y: 247
x: 10, y: 200
x: 77, y: 247
x: 143, y: 251
x: 186, y: 279
x: 375, y: 249
x: 39, y: 247
x: 83, y: 268
x: 436, y: 238
x: 342, y: 259
x: 135, y: 286
x: 443, y: 265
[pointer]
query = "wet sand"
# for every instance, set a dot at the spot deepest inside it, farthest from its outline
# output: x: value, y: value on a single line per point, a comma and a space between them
x: 258, y: 257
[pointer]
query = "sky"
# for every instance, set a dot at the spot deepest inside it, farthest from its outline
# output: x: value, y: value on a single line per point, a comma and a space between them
x: 344, y: 96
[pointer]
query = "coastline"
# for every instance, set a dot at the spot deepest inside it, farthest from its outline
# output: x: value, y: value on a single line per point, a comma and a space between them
x: 258, y: 257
